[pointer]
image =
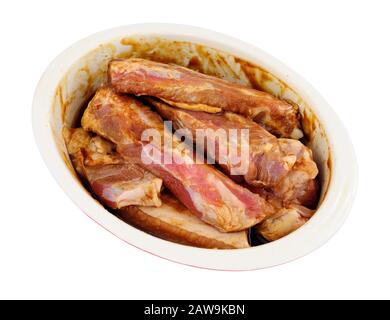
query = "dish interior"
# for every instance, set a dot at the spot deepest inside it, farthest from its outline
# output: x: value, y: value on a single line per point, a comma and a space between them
x: 90, y: 72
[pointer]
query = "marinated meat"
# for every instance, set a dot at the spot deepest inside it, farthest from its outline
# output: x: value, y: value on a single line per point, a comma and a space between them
x: 205, y: 191
x: 283, y: 166
x: 116, y: 183
x: 192, y: 90
x: 174, y: 222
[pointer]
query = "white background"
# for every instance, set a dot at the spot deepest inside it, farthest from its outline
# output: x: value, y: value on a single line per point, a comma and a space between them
x: 50, y: 249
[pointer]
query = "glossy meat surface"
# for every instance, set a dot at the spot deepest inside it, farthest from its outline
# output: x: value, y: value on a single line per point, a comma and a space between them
x: 284, y: 222
x: 192, y: 90
x: 285, y: 167
x: 205, y: 191
x: 117, y: 183
x: 174, y: 222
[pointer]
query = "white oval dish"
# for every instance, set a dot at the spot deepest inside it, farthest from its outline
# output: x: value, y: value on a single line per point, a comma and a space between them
x: 67, y: 82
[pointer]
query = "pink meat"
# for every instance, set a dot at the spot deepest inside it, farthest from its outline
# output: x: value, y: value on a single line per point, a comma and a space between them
x: 115, y: 182
x: 283, y: 166
x: 197, y: 91
x: 209, y: 194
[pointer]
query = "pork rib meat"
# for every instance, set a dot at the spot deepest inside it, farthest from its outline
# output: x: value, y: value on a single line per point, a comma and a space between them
x: 205, y: 191
x: 117, y: 183
x: 192, y: 90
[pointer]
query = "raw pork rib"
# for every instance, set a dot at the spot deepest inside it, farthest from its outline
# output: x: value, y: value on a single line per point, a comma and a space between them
x: 192, y: 90
x: 284, y: 222
x: 283, y: 166
x: 205, y: 191
x: 174, y: 222
x: 116, y: 182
